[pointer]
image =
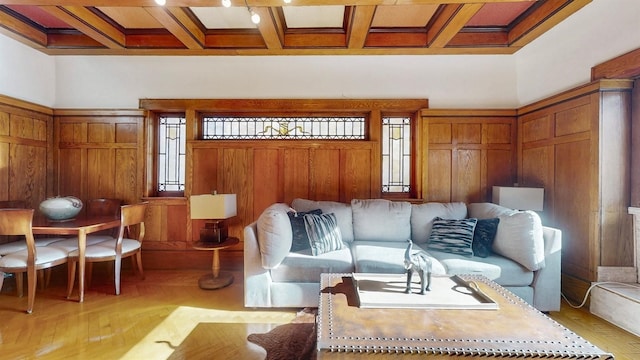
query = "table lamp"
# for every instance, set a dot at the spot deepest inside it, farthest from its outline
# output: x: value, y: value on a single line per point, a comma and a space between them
x: 214, y: 208
x: 519, y: 198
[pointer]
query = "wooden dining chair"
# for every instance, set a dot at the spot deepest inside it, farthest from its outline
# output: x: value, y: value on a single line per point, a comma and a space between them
x: 124, y: 245
x: 29, y: 260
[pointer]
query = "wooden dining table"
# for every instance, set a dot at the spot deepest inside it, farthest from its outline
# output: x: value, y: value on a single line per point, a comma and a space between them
x: 80, y: 226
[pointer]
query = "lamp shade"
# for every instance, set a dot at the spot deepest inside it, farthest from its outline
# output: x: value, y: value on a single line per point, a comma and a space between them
x: 519, y: 198
x: 208, y: 206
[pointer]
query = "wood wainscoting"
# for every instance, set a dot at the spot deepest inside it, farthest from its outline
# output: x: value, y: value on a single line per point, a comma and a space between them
x: 26, y: 143
x: 577, y: 145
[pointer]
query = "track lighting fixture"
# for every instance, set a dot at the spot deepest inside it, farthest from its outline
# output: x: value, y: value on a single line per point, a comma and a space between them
x: 255, y: 18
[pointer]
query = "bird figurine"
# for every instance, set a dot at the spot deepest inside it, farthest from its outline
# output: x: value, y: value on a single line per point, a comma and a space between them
x: 421, y: 263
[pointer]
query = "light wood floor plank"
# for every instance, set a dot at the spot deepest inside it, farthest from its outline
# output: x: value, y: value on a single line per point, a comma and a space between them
x: 166, y: 316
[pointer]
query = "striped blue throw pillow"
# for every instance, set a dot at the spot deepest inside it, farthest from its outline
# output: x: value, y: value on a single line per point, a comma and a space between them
x: 324, y: 233
x: 452, y: 236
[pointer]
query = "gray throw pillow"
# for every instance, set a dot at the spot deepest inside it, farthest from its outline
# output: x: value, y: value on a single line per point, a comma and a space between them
x: 483, y: 236
x: 452, y: 236
x: 300, y: 239
x: 324, y: 233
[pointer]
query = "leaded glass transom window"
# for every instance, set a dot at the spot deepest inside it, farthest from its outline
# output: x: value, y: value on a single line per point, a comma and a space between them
x: 172, y: 145
x: 283, y: 128
x: 396, y: 154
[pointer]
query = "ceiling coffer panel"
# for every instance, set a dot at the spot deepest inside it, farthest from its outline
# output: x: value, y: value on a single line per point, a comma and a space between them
x: 310, y: 27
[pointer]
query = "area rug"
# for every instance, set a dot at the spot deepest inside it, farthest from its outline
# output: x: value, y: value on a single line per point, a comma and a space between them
x: 293, y: 341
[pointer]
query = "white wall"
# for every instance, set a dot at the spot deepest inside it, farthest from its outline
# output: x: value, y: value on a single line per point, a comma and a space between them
x: 25, y: 73
x: 562, y: 58
x: 447, y: 81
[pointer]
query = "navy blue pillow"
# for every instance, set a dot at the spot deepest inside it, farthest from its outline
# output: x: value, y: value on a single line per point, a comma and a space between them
x: 300, y: 238
x: 483, y: 236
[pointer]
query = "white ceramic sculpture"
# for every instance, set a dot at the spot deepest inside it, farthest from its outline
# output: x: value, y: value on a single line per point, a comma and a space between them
x: 61, y: 208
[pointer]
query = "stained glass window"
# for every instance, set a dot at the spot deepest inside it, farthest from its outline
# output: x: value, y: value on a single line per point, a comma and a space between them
x: 396, y: 154
x: 283, y: 128
x: 172, y: 144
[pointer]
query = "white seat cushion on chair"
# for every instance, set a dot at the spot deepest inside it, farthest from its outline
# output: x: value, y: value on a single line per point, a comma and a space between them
x: 107, y: 248
x: 14, y: 246
x: 71, y: 244
x: 45, y: 254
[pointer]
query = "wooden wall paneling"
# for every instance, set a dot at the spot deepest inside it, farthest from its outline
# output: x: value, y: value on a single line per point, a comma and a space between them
x: 25, y: 169
x: 101, y: 175
x: 615, y: 137
x: 356, y: 174
x: 468, y: 151
x: 234, y: 177
x: 269, y: 178
x: 27, y: 174
x: 156, y: 226
x: 635, y: 144
x: 324, y: 168
x: 127, y: 179
x: 499, y: 171
x: 4, y: 171
x: 576, y: 144
x: 467, y: 171
x: 296, y: 175
x: 205, y: 168
x: 72, y: 172
x: 573, y: 208
x: 439, y: 186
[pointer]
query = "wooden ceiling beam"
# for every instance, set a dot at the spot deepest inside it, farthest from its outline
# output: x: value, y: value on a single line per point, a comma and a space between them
x: 21, y: 31
x: 89, y: 24
x: 548, y: 15
x: 239, y: 3
x: 269, y: 28
x: 454, y: 24
x: 359, y: 26
x: 176, y: 20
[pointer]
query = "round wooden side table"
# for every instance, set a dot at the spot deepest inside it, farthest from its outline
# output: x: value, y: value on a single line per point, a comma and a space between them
x: 217, y: 279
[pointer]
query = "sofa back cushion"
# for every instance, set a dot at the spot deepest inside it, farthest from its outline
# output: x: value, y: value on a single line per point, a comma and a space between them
x: 488, y: 210
x: 341, y: 210
x: 381, y: 220
x: 520, y: 238
x: 422, y: 216
x: 274, y: 235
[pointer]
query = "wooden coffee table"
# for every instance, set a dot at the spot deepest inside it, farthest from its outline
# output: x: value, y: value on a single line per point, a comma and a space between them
x: 345, y: 330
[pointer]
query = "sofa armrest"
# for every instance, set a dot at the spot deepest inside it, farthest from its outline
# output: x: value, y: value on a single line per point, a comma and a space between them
x: 257, y: 280
x: 546, y: 282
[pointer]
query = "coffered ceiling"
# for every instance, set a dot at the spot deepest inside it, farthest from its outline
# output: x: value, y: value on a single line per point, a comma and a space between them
x: 347, y: 27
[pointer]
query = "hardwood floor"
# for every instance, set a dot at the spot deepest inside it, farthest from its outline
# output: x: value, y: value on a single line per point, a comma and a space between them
x: 166, y: 316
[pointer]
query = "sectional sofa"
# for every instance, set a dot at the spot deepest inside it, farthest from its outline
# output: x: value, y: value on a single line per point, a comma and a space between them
x: 510, y: 247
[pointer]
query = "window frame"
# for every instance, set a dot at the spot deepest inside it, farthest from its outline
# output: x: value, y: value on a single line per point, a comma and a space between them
x: 155, y: 191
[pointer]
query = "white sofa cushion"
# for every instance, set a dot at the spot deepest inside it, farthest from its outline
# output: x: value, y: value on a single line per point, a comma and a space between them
x: 422, y: 216
x: 302, y: 266
x: 385, y: 257
x: 342, y: 211
x: 274, y: 235
x: 520, y: 238
x: 504, y: 271
x: 381, y: 220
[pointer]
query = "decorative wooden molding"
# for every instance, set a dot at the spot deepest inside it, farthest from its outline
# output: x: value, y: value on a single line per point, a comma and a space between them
x: 600, y: 85
x: 626, y: 66
x: 98, y: 112
x: 274, y: 105
x: 25, y: 105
